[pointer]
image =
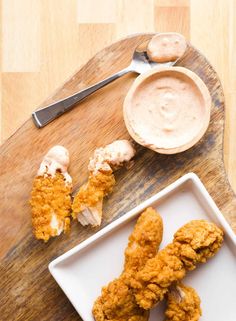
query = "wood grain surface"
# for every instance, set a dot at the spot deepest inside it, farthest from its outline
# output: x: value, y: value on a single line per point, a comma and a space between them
x: 44, y: 42
x: 28, y: 292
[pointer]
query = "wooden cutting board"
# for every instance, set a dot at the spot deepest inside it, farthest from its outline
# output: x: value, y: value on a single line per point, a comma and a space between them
x: 28, y: 292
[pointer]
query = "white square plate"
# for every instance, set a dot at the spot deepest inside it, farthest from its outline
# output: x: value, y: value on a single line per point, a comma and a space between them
x: 82, y: 271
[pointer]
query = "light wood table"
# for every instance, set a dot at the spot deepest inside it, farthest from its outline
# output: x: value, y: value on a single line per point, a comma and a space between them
x: 44, y: 42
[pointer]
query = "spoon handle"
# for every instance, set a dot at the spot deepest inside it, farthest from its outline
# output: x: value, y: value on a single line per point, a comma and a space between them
x: 45, y: 115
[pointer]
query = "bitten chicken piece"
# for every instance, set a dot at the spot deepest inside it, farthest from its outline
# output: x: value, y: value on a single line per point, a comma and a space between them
x: 183, y: 304
x: 50, y: 196
x: 87, y: 204
x: 117, y: 301
x: 194, y: 243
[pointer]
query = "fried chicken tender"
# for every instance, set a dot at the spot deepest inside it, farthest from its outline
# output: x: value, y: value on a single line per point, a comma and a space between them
x: 50, y: 196
x: 88, y: 201
x: 144, y: 240
x: 117, y: 301
x: 194, y: 243
x: 87, y: 205
x: 183, y: 304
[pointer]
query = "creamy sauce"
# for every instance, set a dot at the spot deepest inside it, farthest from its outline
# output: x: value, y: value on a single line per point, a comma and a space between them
x: 114, y: 154
x: 167, y: 110
x: 166, y: 47
x: 57, y: 158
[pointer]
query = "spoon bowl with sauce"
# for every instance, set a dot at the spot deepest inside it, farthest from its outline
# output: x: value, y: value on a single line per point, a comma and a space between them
x: 166, y: 47
x: 167, y: 109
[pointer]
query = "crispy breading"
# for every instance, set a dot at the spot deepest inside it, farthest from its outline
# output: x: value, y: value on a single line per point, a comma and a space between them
x: 87, y: 204
x: 183, y: 304
x: 202, y: 237
x: 50, y: 196
x: 91, y: 193
x: 194, y: 243
x: 143, y: 241
x: 117, y: 301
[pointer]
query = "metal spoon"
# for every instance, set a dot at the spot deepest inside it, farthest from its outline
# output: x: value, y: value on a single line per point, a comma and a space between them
x: 140, y: 63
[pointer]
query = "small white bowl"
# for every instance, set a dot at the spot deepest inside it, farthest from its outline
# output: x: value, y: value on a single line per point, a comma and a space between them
x: 146, y: 137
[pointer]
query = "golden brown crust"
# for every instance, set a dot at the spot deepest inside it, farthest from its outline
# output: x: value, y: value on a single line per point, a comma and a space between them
x: 144, y: 240
x: 93, y: 192
x: 50, y: 195
x: 117, y: 301
x: 194, y: 243
x: 67, y: 225
x: 183, y: 304
x: 200, y: 236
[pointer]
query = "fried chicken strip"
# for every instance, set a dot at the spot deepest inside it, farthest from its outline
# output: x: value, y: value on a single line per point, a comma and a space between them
x: 183, y: 304
x: 117, y: 301
x: 50, y: 196
x: 87, y: 204
x: 194, y: 243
